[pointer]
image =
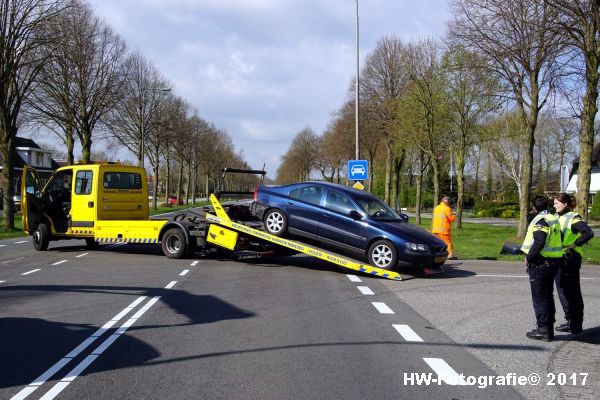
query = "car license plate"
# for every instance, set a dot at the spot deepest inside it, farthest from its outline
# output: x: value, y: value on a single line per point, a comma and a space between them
x: 439, y: 259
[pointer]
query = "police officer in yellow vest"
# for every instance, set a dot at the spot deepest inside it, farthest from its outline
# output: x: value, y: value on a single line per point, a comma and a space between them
x: 543, y: 248
x: 575, y: 233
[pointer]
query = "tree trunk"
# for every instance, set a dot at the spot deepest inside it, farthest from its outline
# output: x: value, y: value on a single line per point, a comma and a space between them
x: 388, y: 171
x: 8, y: 151
x: 70, y: 142
x: 189, y: 183
x: 460, y: 183
x: 526, y: 173
x: 586, y: 137
x: 435, y: 166
x: 180, y: 180
x: 86, y: 144
x: 419, y: 180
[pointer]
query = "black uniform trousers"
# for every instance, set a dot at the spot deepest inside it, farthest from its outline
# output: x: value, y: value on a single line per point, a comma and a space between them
x: 568, y: 287
x: 541, y: 279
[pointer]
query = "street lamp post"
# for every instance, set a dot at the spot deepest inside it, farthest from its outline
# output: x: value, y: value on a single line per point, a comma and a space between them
x: 357, y: 85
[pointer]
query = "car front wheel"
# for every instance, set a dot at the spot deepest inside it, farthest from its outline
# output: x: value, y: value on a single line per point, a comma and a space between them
x: 383, y: 254
x: 275, y: 222
x: 41, y: 237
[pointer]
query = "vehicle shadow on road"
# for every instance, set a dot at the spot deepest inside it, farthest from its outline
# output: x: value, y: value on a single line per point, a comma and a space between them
x: 29, y: 346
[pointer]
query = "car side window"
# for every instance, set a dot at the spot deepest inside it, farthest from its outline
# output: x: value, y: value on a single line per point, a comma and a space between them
x: 309, y: 194
x: 339, y: 202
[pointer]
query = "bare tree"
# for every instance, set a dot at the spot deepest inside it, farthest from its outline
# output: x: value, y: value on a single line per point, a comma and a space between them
x: 517, y: 40
x: 300, y: 158
x: 97, y: 55
x: 384, y: 77
x: 136, y: 115
x: 23, y: 51
x: 579, y: 23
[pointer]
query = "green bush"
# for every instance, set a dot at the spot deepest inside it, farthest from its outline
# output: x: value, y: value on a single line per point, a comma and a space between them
x: 509, y: 214
x: 595, y: 211
x: 491, y: 209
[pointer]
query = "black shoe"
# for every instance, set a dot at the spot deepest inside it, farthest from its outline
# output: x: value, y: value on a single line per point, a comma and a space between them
x: 564, y: 327
x: 541, y: 333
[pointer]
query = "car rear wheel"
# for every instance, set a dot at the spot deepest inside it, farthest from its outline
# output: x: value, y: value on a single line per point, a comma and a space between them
x: 173, y: 243
x: 275, y: 222
x: 383, y: 254
x: 41, y: 237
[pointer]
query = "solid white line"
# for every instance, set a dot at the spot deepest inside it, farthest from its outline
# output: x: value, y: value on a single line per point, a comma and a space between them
x: 16, y: 259
x: 56, y: 389
x: 60, y: 262
x: 365, y: 290
x: 22, y: 241
x: 31, y: 272
x: 444, y: 372
x: 74, y: 353
x: 81, y: 255
x: 353, y: 278
x: 194, y: 263
x: 407, y: 333
x: 184, y: 272
x: 382, y: 308
x: 170, y: 285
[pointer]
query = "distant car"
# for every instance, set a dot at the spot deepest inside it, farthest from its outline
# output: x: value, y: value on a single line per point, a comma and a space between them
x: 17, y: 202
x: 355, y: 222
x: 357, y: 170
x: 172, y: 200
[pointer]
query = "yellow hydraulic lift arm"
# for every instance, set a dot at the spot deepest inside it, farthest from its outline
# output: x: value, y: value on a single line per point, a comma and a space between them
x: 224, y: 238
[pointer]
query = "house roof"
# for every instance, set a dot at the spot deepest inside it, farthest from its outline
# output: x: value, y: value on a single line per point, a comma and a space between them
x: 18, y: 162
x: 26, y: 142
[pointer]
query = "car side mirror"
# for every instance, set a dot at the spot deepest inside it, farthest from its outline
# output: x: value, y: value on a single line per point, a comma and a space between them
x: 355, y: 215
x: 404, y: 217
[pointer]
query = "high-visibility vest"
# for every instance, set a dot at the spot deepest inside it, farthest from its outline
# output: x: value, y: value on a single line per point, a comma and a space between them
x: 553, y: 246
x: 442, y: 219
x: 568, y: 236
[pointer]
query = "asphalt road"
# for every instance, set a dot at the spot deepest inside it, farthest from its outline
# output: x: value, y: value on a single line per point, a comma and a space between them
x: 124, y: 322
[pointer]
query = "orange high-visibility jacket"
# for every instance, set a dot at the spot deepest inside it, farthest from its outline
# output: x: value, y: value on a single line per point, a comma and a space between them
x: 442, y: 219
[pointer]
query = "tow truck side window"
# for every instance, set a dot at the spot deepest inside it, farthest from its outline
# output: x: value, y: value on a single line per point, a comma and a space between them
x: 122, y: 180
x: 83, y: 182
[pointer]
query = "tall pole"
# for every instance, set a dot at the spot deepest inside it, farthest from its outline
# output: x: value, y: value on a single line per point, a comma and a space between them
x: 357, y: 85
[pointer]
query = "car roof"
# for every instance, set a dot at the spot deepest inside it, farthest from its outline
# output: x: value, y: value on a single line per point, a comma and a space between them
x: 329, y: 185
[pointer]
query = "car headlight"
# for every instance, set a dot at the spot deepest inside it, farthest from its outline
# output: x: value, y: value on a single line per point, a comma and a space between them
x: 421, y: 248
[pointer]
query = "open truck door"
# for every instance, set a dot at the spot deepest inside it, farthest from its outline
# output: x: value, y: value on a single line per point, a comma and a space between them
x: 31, y: 209
x: 31, y: 199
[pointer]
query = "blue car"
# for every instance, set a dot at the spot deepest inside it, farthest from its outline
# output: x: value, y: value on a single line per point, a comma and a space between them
x: 356, y: 223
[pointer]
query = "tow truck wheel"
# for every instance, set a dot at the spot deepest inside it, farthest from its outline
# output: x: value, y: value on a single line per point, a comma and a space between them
x: 275, y: 222
x: 91, y: 244
x: 383, y: 254
x: 41, y: 237
x: 173, y: 243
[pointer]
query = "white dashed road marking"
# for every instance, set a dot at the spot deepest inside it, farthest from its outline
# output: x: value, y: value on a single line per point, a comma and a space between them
x: 171, y: 284
x: 60, y: 262
x: 2, y: 245
x: 365, y: 290
x: 75, y: 352
x: 444, y: 371
x: 407, y: 333
x: 353, y: 278
x: 31, y: 272
x: 184, y: 272
x: 382, y: 308
x: 81, y: 255
x: 2, y: 281
x: 16, y: 259
x: 194, y: 263
x: 22, y: 241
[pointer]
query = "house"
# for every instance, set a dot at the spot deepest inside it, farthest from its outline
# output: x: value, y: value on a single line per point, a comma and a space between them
x: 28, y: 152
x: 595, y: 181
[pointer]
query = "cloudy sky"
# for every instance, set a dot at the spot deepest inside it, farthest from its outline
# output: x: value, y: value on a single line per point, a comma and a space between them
x: 264, y: 69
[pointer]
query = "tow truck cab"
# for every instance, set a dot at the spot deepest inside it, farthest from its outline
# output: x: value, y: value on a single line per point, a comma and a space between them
x: 77, y: 197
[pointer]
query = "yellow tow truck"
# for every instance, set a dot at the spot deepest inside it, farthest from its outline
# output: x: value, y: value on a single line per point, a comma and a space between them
x: 108, y: 203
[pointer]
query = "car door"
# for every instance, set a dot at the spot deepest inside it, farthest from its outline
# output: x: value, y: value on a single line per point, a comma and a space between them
x: 336, y: 224
x: 31, y: 199
x: 82, y: 201
x: 303, y: 210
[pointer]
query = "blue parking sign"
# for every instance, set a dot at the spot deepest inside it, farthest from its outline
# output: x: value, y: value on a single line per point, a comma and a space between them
x: 358, y: 170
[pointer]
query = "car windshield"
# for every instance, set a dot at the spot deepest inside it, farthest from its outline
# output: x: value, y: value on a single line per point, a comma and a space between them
x: 377, y: 209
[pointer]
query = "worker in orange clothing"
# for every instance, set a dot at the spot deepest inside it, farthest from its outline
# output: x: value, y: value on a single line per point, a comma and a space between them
x: 441, y: 224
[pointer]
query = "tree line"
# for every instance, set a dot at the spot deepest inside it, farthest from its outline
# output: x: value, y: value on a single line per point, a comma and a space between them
x: 505, y: 99
x: 64, y: 69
